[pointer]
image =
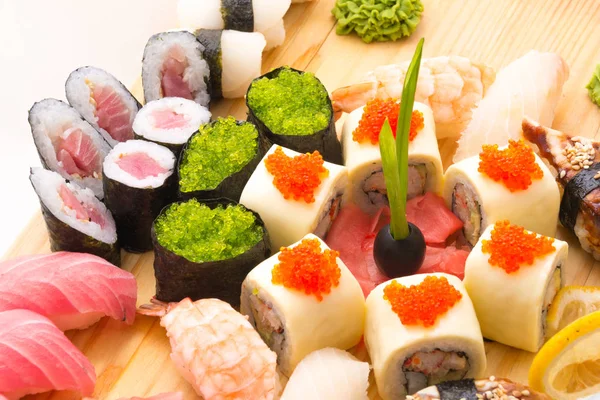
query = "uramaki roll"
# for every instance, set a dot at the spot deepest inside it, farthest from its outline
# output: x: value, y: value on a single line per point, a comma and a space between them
x: 294, y: 323
x: 512, y: 307
x: 480, y: 201
x: 408, y: 358
x: 365, y: 172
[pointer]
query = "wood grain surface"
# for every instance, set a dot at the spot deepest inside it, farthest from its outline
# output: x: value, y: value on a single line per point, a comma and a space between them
x: 134, y: 360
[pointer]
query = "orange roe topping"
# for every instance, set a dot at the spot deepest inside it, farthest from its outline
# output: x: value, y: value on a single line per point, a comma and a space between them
x: 374, y: 115
x: 307, y: 269
x: 514, y: 167
x: 424, y: 303
x: 511, y: 246
x: 296, y: 177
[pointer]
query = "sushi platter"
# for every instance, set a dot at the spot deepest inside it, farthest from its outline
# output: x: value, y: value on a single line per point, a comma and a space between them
x: 133, y: 358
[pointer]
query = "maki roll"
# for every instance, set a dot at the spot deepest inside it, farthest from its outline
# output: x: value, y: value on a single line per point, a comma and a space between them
x: 234, y: 58
x: 360, y: 138
x: 219, y: 159
x: 304, y: 280
x: 422, y: 330
x: 68, y: 144
x: 508, y: 291
x: 475, y: 389
x: 295, y: 194
x: 510, y: 183
x: 170, y: 122
x: 104, y: 102
x: 264, y: 16
x: 173, y: 66
x: 138, y: 182
x: 76, y: 220
x: 292, y: 109
x: 205, y: 250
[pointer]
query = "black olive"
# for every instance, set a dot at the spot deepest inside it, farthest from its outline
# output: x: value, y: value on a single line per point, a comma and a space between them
x: 396, y: 258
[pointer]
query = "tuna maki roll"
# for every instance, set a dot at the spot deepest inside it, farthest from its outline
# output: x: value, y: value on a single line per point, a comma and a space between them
x: 104, y: 102
x: 68, y: 144
x: 219, y: 159
x: 170, y: 122
x: 292, y: 109
x: 138, y: 183
x: 173, y: 66
x: 76, y: 220
x: 205, y: 250
x: 234, y: 58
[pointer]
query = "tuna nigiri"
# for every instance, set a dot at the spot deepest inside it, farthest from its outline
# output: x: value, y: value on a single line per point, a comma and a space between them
x: 36, y: 357
x: 74, y: 290
x: 529, y: 86
x: 217, y: 350
x: 328, y: 374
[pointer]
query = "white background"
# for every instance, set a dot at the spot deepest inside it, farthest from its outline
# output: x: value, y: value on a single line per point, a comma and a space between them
x: 41, y: 42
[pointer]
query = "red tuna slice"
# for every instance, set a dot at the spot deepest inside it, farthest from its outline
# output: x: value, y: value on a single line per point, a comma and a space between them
x: 140, y: 165
x: 168, y: 119
x: 449, y: 260
x: 82, y: 212
x: 112, y: 113
x: 430, y: 214
x: 173, y: 70
x: 78, y: 154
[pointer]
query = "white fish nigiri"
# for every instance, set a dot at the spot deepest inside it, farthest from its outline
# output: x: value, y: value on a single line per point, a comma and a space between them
x: 217, y: 350
x: 328, y: 374
x: 36, y: 357
x: 528, y: 87
x: 73, y: 290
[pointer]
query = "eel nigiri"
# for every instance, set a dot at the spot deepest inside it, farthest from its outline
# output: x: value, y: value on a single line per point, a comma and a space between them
x: 575, y: 162
x: 36, y: 357
x: 216, y: 349
x: 529, y: 86
x: 470, y: 389
x: 73, y: 290
x: 326, y: 374
x: 451, y: 86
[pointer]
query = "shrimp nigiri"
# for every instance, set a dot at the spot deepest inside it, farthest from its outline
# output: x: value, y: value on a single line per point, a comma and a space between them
x: 216, y: 349
x: 451, y: 86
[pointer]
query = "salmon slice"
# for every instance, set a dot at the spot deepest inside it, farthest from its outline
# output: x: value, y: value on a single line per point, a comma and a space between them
x: 112, y: 113
x: 449, y: 260
x: 173, y: 82
x: 83, y: 211
x: 140, y: 165
x: 78, y: 153
x: 168, y: 119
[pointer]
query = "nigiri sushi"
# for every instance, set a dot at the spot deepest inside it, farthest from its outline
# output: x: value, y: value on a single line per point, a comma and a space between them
x: 216, y: 349
x: 451, y: 86
x: 529, y: 86
x: 327, y: 374
x: 73, y: 290
x: 36, y: 357
x: 477, y: 389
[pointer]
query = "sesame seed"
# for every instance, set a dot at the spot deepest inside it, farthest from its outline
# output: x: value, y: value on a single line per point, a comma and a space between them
x: 516, y: 393
x: 597, y: 176
x: 576, y: 167
x: 562, y: 175
x: 525, y: 392
x: 492, y: 378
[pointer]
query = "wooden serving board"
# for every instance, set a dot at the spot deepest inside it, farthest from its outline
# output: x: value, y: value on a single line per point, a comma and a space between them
x: 134, y: 360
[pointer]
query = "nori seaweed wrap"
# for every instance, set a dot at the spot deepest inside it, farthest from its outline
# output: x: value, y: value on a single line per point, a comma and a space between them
x: 292, y: 109
x: 218, y: 160
x: 205, y: 250
x: 76, y: 220
x: 139, y: 181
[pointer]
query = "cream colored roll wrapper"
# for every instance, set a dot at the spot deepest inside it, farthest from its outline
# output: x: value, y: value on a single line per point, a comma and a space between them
x: 363, y: 160
x: 511, y: 308
x: 307, y: 323
x: 288, y: 221
x: 390, y: 343
x: 535, y: 208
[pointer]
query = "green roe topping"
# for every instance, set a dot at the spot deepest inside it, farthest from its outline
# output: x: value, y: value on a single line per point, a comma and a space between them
x: 291, y: 104
x: 594, y: 86
x: 194, y: 231
x: 217, y: 151
x: 380, y: 20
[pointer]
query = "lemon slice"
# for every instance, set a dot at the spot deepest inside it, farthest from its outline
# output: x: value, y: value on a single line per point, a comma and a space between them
x: 568, y: 365
x: 571, y: 303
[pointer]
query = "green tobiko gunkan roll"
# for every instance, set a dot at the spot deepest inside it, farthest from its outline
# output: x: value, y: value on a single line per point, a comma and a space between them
x: 205, y: 250
x: 219, y: 159
x: 292, y: 109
